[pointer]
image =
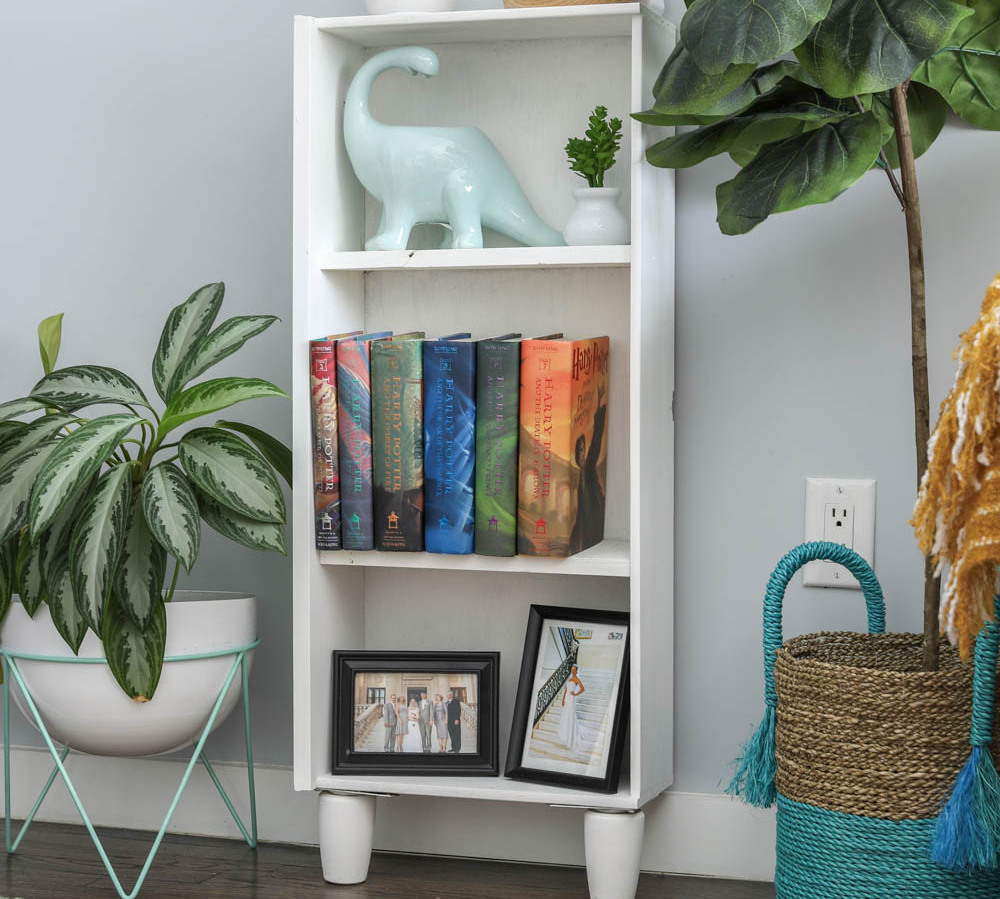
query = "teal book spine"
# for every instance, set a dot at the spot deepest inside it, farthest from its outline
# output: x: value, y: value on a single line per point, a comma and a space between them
x: 497, y: 402
x: 398, y: 445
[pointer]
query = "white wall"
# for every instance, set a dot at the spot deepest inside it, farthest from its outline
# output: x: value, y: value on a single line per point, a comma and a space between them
x: 148, y: 150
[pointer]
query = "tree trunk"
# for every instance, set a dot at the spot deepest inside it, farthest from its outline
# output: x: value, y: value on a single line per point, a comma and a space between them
x: 918, y: 323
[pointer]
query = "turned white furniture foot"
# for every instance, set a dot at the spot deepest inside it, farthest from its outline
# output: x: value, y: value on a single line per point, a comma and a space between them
x: 346, y: 827
x: 613, y: 843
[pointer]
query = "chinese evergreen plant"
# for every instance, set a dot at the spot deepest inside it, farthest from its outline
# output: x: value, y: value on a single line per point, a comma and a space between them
x: 591, y: 156
x: 869, y: 88
x: 92, y: 510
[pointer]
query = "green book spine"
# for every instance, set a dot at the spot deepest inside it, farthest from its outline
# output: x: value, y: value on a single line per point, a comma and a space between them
x: 398, y: 444
x: 497, y: 412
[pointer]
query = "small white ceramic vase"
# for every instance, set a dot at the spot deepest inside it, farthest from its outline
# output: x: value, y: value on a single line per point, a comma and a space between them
x: 383, y: 7
x: 597, y: 220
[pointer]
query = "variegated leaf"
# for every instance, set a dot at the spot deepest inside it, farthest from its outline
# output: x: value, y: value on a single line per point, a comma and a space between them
x: 54, y: 543
x: 75, y: 460
x: 16, y: 483
x: 186, y: 325
x: 171, y: 511
x: 222, y: 342
x: 96, y: 543
x: 135, y: 655
x: 30, y: 583
x: 8, y: 429
x: 17, y: 408
x: 138, y: 582
x: 233, y: 473
x: 240, y: 529
x: 211, y: 396
x: 86, y: 385
x: 41, y: 430
x: 65, y: 615
x: 272, y: 449
x: 8, y: 574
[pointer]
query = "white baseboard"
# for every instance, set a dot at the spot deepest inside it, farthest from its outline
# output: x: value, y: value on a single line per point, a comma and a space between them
x: 686, y: 833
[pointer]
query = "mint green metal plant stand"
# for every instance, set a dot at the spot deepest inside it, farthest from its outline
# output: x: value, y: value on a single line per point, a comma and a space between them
x: 239, y: 655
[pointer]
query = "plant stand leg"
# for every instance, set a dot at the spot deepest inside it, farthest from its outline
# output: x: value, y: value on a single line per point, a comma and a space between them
x: 613, y: 844
x: 346, y: 830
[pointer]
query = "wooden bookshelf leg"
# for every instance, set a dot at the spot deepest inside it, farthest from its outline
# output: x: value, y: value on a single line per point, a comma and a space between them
x: 346, y: 827
x: 613, y: 843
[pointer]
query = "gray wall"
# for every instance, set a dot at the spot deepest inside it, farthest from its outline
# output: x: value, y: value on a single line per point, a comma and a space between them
x: 147, y: 150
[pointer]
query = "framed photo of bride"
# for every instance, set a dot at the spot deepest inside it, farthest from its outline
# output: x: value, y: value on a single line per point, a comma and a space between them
x: 405, y: 713
x: 571, y: 709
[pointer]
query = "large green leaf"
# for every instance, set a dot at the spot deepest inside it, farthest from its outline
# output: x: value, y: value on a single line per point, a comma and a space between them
x: 17, y: 408
x: 39, y: 431
x: 49, y: 339
x: 272, y: 449
x: 185, y: 327
x: 71, y: 625
x: 9, y: 430
x: 866, y: 46
x: 54, y: 543
x: 86, y: 385
x: 253, y: 534
x: 222, y: 342
x: 75, y: 460
x: 142, y: 566
x: 212, y: 396
x: 16, y: 483
x: 96, y: 543
x: 233, y: 473
x: 967, y: 72
x: 683, y: 88
x: 171, y: 511
x: 927, y: 113
x: 135, y: 655
x: 721, y: 33
x: 811, y: 168
x: 30, y: 583
x: 8, y: 574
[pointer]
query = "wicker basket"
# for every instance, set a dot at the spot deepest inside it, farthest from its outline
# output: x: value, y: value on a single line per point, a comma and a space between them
x: 868, y: 757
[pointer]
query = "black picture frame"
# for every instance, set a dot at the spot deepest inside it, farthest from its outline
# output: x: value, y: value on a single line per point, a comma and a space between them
x: 346, y: 760
x: 526, y: 703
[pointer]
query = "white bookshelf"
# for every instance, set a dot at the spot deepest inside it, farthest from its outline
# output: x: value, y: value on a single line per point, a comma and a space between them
x: 529, y: 78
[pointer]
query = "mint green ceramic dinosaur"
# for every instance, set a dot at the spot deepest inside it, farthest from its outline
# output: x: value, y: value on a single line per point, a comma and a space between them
x: 451, y: 176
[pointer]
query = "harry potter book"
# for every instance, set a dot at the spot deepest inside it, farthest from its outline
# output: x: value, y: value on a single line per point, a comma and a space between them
x: 354, y: 433
x: 563, y: 445
x: 398, y: 444
x: 326, y: 476
x: 449, y: 443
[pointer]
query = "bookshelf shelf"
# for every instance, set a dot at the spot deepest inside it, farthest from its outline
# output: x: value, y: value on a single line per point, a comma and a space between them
x: 610, y: 558
x: 466, y: 260
x: 544, y: 69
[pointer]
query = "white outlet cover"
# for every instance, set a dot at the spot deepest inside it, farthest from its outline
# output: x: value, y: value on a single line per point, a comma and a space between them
x: 858, y: 495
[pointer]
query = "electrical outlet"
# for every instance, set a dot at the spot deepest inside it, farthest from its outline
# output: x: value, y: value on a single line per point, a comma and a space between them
x: 839, y: 510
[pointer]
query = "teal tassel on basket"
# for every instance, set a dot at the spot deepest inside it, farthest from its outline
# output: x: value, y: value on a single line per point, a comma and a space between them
x: 754, y: 779
x: 968, y: 830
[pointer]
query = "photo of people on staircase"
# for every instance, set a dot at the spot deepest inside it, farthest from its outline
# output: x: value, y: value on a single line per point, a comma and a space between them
x: 576, y: 686
x: 428, y: 713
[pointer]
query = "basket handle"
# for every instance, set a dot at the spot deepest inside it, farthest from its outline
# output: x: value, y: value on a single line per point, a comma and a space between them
x: 775, y: 594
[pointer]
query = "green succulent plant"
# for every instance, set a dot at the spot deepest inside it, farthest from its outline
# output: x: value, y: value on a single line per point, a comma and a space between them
x: 93, y: 510
x: 808, y: 96
x: 591, y: 156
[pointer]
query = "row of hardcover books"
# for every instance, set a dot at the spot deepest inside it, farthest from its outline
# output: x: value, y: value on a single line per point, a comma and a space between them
x: 456, y: 445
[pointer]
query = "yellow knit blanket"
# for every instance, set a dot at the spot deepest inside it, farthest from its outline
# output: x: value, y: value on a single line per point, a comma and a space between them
x: 957, y: 516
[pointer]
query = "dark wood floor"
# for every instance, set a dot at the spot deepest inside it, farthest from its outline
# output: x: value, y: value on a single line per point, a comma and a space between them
x: 59, y: 862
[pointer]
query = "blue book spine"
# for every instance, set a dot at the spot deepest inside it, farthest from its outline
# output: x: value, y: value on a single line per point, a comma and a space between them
x: 449, y: 446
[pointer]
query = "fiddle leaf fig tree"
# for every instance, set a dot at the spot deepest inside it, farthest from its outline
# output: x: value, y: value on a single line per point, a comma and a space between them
x: 807, y: 97
x: 95, y: 511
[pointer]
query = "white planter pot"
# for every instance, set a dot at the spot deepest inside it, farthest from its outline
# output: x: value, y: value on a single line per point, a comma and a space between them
x: 84, y: 708
x: 597, y: 221
x: 383, y: 7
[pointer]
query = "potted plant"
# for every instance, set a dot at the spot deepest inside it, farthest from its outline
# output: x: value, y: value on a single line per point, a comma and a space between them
x: 596, y: 220
x: 100, y: 510
x: 807, y: 98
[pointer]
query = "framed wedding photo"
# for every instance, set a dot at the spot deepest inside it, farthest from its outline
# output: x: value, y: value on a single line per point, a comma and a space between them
x: 403, y: 713
x: 571, y: 709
